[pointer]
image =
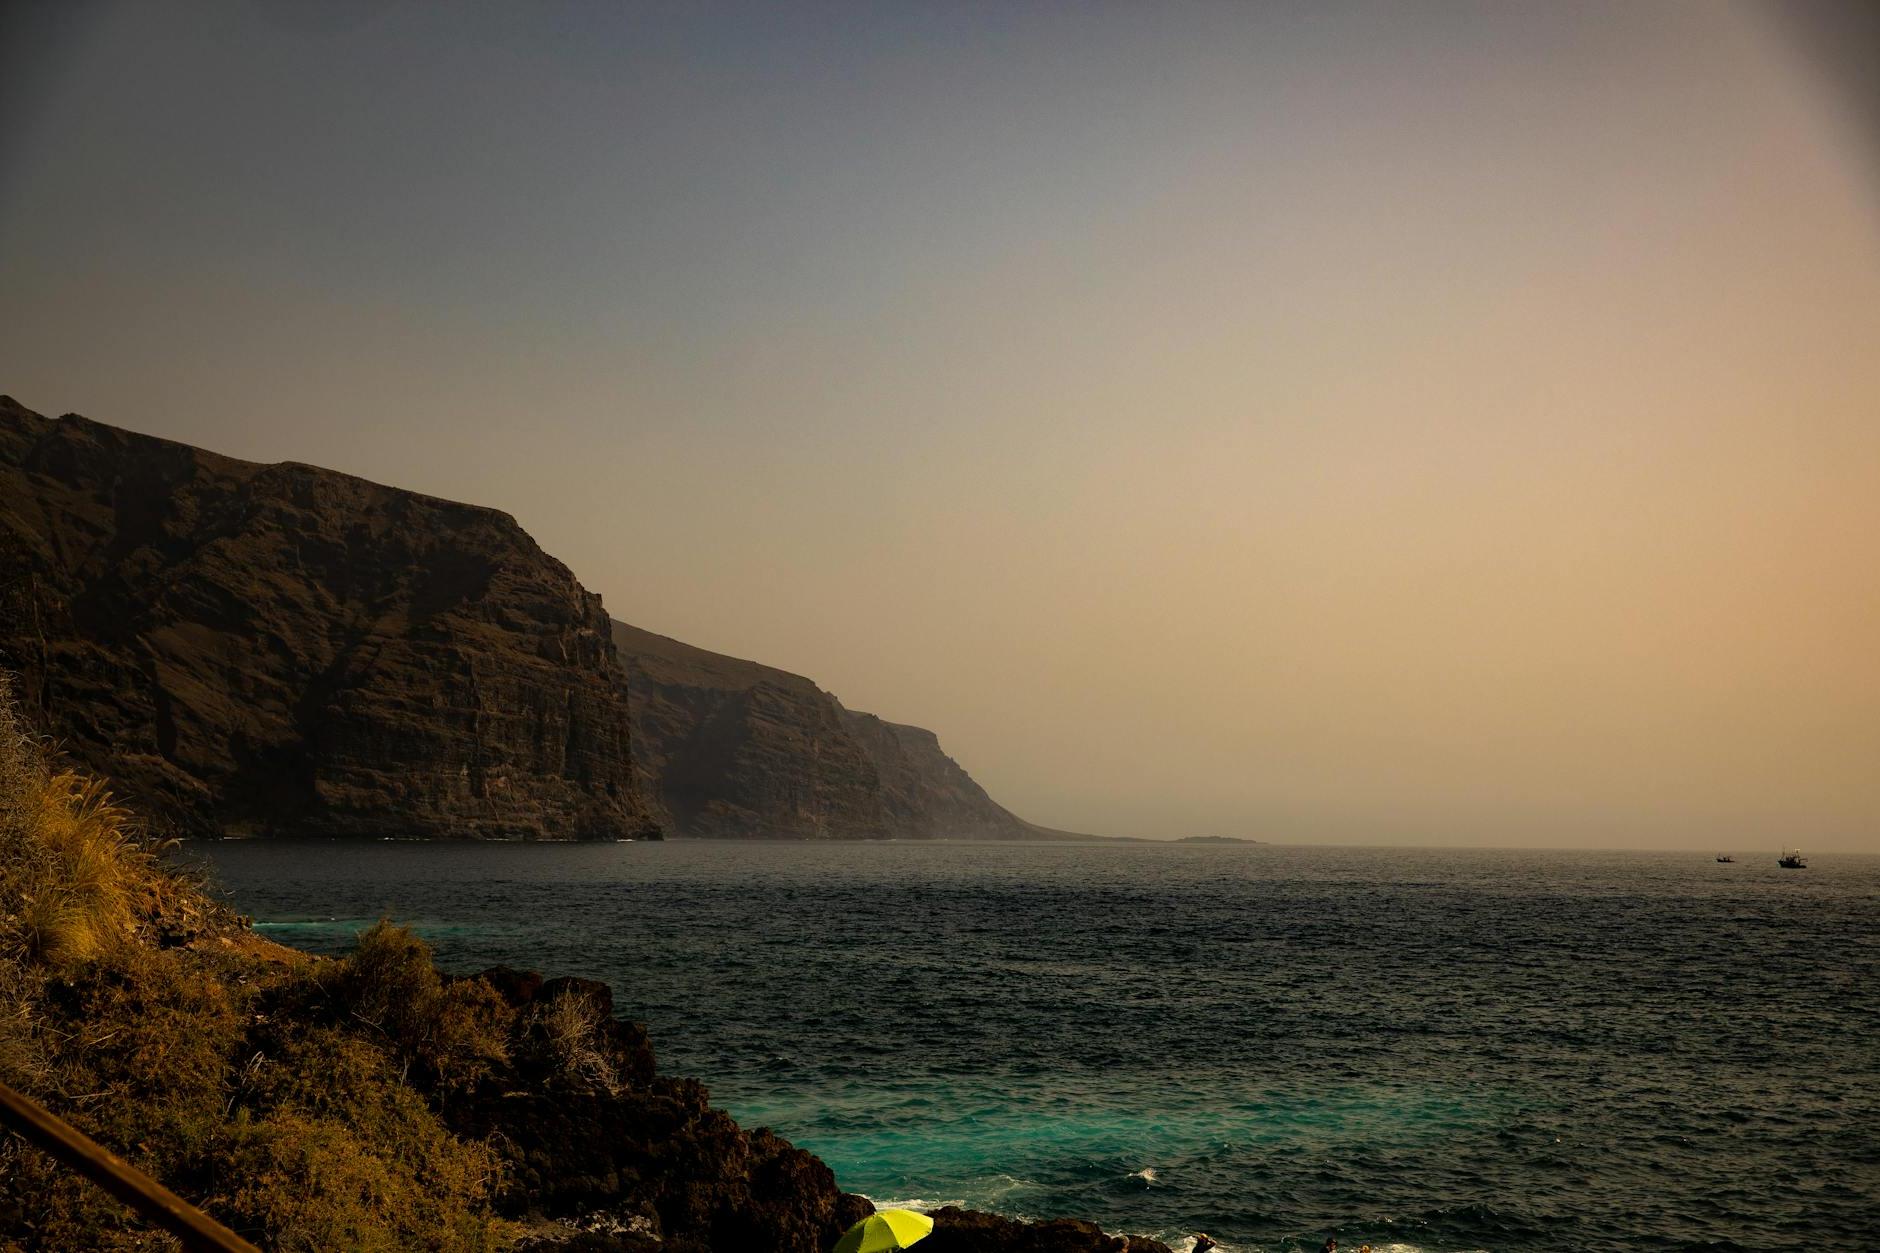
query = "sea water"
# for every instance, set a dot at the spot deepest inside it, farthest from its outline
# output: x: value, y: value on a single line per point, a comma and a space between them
x: 1420, y: 1049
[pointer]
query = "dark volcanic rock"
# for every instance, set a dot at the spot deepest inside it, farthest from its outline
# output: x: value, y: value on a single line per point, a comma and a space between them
x: 517, y: 987
x: 644, y: 1159
x: 726, y: 747
x: 700, y: 1180
x: 649, y: 1164
x: 258, y: 649
x: 968, y: 1231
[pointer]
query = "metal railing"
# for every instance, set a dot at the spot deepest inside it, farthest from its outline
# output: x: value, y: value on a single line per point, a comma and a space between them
x: 42, y: 1127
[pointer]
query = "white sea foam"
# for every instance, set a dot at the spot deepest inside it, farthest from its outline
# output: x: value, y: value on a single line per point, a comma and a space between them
x: 1186, y: 1244
x: 919, y: 1204
x: 989, y: 1194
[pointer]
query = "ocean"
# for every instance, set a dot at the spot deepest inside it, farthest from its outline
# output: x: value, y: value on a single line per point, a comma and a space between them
x: 1420, y: 1049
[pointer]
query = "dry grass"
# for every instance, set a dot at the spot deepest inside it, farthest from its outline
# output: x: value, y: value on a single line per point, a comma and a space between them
x: 74, y: 903
x: 297, y: 1101
x: 75, y: 874
x: 571, y: 1027
x: 447, y: 1034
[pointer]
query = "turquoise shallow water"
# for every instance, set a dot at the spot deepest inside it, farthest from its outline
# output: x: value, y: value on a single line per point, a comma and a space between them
x: 1427, y: 1049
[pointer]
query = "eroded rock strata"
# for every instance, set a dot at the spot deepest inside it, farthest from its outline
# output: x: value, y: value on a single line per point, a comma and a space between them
x: 726, y: 747
x: 250, y: 649
x: 924, y: 792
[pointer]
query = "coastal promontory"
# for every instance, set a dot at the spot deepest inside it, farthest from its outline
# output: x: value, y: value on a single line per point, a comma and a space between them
x: 727, y: 747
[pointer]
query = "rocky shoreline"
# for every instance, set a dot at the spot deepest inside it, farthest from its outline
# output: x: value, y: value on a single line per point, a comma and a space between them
x: 651, y: 1165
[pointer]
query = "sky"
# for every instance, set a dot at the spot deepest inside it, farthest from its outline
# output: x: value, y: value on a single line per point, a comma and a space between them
x: 1373, y: 423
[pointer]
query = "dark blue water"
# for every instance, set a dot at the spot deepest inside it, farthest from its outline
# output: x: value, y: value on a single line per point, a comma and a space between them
x: 1426, y: 1049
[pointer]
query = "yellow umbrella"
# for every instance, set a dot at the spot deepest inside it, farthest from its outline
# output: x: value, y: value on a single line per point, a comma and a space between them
x: 883, y: 1230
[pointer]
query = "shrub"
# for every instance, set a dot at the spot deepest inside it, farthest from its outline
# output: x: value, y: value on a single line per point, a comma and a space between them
x: 450, y: 1033
x: 327, y: 1150
x: 76, y: 878
x: 572, y: 1027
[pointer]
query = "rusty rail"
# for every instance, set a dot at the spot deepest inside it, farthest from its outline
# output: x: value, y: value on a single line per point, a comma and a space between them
x: 122, y: 1180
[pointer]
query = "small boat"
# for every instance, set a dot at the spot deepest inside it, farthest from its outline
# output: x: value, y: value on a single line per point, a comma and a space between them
x: 1791, y: 860
x: 1725, y: 857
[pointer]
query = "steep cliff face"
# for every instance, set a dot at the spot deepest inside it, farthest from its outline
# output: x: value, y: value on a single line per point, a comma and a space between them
x: 251, y: 649
x: 727, y: 747
x: 925, y: 792
x: 730, y: 748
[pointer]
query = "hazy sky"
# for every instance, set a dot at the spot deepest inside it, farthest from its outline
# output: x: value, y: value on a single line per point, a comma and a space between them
x: 1440, y: 423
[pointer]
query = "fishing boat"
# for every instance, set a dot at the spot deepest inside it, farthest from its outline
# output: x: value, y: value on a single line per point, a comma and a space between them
x: 1725, y: 857
x: 1791, y: 860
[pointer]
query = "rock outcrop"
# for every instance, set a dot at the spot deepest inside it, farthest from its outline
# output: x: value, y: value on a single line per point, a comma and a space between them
x: 645, y: 1164
x: 958, y: 1230
x: 731, y: 748
x: 640, y: 1161
x: 257, y: 649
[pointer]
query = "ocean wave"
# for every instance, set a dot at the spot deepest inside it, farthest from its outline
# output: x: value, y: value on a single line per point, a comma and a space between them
x: 986, y: 1194
x: 1186, y: 1244
x: 918, y: 1204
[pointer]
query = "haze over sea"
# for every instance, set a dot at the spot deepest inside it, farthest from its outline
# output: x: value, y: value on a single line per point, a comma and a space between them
x: 1427, y: 1049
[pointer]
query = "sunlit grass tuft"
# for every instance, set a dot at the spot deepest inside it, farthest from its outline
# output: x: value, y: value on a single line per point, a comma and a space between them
x: 72, y: 865
x: 571, y: 1027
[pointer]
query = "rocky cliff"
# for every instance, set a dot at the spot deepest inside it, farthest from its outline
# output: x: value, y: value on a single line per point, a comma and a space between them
x: 253, y: 649
x: 925, y: 792
x: 726, y: 747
